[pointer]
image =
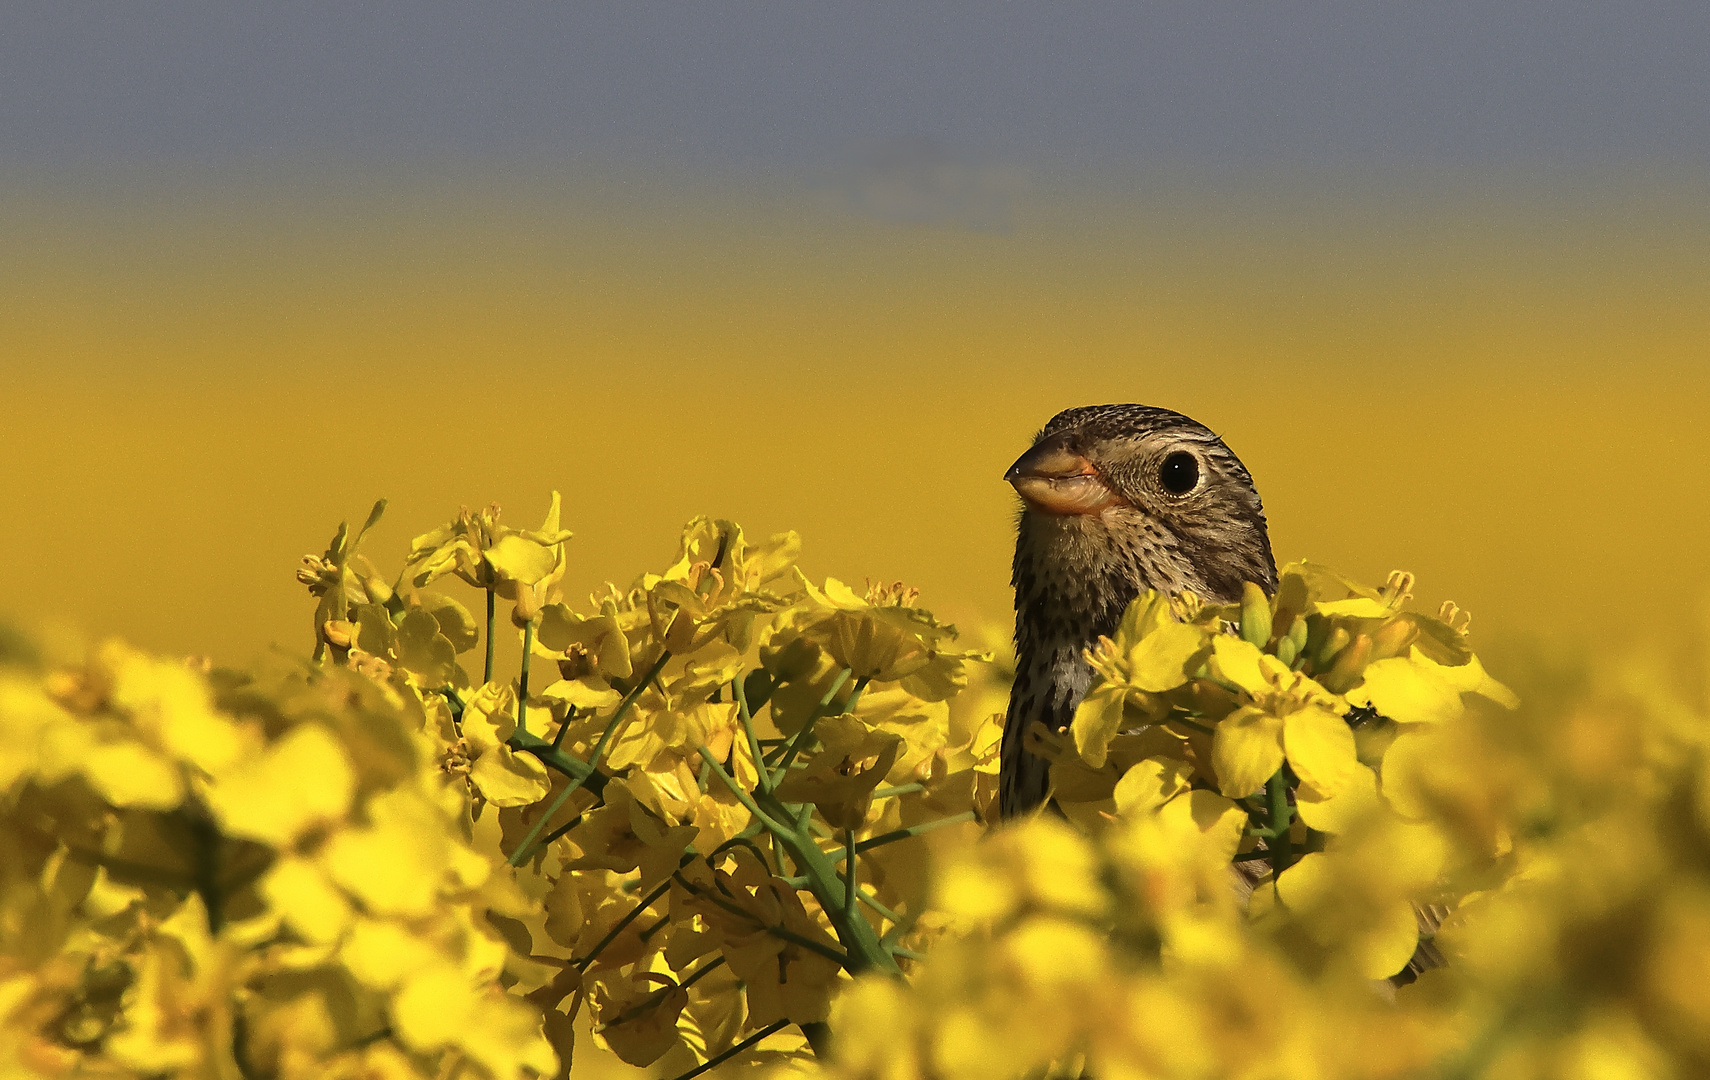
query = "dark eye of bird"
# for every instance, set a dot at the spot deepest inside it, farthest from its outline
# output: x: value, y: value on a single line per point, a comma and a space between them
x: 1179, y: 473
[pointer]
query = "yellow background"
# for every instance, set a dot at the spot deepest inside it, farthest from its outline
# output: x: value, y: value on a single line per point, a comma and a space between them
x: 1497, y: 384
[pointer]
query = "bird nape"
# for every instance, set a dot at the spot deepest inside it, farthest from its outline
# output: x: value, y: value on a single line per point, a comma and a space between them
x: 1117, y: 499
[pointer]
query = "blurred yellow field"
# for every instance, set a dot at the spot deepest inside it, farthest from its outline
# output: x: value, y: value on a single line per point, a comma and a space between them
x: 1500, y: 388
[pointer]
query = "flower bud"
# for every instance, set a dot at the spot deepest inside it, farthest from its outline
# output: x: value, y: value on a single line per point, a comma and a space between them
x: 1335, y: 643
x: 1297, y: 633
x: 1350, y: 664
x: 338, y: 632
x: 791, y: 660
x: 1394, y: 638
x: 1255, y: 615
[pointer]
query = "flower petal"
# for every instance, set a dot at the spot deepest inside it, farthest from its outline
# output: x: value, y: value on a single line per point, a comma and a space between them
x: 1247, y: 751
x: 1320, y: 746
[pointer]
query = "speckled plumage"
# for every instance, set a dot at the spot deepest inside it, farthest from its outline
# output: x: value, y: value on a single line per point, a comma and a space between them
x: 1075, y: 574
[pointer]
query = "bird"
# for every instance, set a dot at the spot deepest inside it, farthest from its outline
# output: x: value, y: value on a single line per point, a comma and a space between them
x: 1116, y: 500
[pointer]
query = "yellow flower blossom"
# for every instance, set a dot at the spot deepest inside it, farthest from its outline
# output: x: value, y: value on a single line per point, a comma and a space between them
x: 264, y: 798
x: 307, y: 872
x: 638, y: 1021
x: 521, y: 565
x: 885, y: 642
x: 841, y: 778
x: 623, y: 836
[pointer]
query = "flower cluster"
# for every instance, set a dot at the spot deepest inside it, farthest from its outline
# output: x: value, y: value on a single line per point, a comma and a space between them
x: 731, y: 815
x: 1284, y: 811
x: 683, y: 824
x: 213, y: 874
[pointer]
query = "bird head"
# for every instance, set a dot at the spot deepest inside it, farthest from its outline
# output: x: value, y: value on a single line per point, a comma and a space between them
x: 1146, y: 493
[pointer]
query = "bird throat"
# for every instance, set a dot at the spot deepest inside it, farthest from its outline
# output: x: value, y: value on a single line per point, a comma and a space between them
x: 1073, y: 580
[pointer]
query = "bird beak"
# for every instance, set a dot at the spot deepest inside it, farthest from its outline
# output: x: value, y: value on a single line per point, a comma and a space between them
x: 1053, y: 479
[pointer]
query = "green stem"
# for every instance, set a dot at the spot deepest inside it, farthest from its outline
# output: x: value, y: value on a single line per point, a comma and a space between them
x: 702, y: 972
x: 769, y: 1030
x: 741, y: 842
x: 526, y: 849
x: 488, y: 676
x: 521, y: 739
x: 624, y: 706
x: 522, y: 683
x: 900, y: 789
x: 849, y: 873
x: 900, y: 925
x: 860, y: 941
x: 575, y: 768
x: 862, y: 895
x: 862, y: 950
x: 1190, y: 724
x: 783, y: 933
x: 618, y: 927
x: 855, y: 695
x: 742, y: 710
x: 913, y: 830
x: 800, y: 739
x: 563, y: 728
x: 561, y: 830
x: 742, y: 797
x: 1276, y: 794
x: 581, y: 773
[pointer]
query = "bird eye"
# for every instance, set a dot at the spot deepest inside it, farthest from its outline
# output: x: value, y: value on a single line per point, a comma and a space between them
x: 1179, y: 473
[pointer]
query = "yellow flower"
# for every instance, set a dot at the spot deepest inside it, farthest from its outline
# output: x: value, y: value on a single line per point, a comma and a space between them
x: 717, y: 586
x: 503, y: 776
x: 1357, y: 801
x: 717, y: 547
x: 1320, y: 747
x: 885, y: 641
x: 592, y: 649
x: 439, y: 1007
x: 623, y: 835
x: 266, y: 797
x: 300, y: 890
x: 1040, y: 864
x: 1415, y: 689
x: 1376, y: 942
x: 413, y: 645
x: 401, y: 862
x: 521, y: 565
x: 637, y: 1020
x: 1150, y: 784
x: 331, y: 578
x: 164, y: 1030
x: 785, y: 980
x: 840, y: 779
x: 1247, y: 751
x: 1109, y: 709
